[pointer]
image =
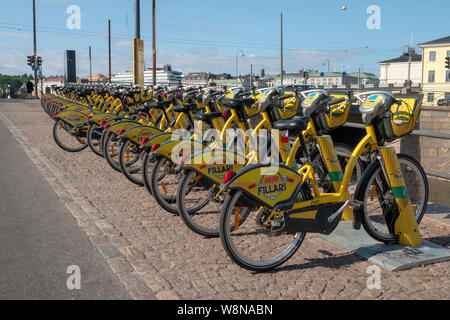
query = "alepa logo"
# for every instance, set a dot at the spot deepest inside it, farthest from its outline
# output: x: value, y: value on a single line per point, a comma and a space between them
x: 219, y: 166
x: 73, y: 117
x: 271, y: 186
x: 144, y: 134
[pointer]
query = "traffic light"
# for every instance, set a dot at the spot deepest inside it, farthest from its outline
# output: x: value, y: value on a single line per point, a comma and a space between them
x: 30, y: 60
x: 305, y: 75
x: 447, y: 63
x: 39, y: 61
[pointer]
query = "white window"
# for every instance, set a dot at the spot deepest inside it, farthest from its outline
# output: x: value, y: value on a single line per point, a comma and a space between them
x: 432, y: 56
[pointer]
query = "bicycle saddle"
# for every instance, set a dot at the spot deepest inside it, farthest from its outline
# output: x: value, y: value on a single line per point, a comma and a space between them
x: 160, y: 104
x: 297, y: 124
x: 184, y: 107
x: 207, y: 116
x: 237, y: 103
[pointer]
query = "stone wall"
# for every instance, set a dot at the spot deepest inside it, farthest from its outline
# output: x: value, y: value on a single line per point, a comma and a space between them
x: 434, y: 152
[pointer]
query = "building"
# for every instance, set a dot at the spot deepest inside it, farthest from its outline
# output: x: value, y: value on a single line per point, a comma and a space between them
x: 435, y: 78
x: 96, y: 77
x: 331, y: 79
x: 50, y: 83
x: 394, y: 72
x: 195, y: 79
x: 367, y: 79
x: 165, y: 76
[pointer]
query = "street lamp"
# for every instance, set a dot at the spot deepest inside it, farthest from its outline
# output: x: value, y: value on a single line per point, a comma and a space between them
x: 243, y: 55
x: 408, y: 52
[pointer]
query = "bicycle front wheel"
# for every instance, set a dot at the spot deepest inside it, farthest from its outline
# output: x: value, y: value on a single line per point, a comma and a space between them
x: 250, y: 242
x: 130, y: 159
x: 164, y: 184
x: 68, y: 138
x: 94, y: 136
x: 380, y: 211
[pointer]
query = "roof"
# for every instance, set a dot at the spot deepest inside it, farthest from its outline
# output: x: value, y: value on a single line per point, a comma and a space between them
x: 405, y: 57
x: 364, y: 75
x: 445, y: 40
x: 54, y: 79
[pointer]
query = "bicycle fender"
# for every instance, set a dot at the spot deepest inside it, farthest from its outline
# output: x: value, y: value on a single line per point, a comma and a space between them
x: 137, y: 133
x: 174, y: 150
x: 213, y: 164
x: 72, y: 118
x: 269, y: 185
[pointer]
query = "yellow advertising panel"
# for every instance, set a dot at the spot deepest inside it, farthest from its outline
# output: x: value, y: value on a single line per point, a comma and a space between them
x: 214, y: 164
x: 271, y: 185
x: 136, y: 134
x: 73, y: 118
x: 116, y: 127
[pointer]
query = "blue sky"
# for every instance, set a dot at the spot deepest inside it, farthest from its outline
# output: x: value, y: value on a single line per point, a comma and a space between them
x: 204, y: 35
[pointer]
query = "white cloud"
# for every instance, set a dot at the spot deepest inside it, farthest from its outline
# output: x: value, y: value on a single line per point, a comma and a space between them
x: 212, y: 60
x: 14, y: 34
x: 196, y: 59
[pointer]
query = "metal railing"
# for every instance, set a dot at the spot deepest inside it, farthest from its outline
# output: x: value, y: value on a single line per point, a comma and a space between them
x: 421, y: 133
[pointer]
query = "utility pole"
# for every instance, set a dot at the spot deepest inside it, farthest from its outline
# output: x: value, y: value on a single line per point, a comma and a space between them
x: 359, y: 78
x: 242, y: 52
x: 251, y: 76
x: 138, y: 49
x: 153, y: 43
x: 90, y: 65
x: 138, y: 20
x: 35, y: 51
x: 281, y: 51
x: 109, y: 49
x: 409, y: 66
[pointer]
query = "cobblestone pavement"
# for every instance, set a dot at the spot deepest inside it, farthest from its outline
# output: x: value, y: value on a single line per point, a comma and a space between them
x: 153, y: 253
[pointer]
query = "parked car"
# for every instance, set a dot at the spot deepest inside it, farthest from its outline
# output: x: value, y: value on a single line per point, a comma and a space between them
x: 444, y: 102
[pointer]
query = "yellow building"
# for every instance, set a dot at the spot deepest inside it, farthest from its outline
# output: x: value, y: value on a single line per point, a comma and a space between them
x: 435, y: 78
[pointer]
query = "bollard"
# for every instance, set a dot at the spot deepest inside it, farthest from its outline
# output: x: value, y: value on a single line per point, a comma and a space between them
x: 334, y: 170
x: 405, y: 226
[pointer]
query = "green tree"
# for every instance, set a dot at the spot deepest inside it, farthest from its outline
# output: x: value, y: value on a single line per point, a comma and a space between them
x: 14, y: 83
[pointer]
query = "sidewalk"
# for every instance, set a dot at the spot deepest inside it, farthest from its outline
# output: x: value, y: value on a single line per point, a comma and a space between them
x: 175, y: 263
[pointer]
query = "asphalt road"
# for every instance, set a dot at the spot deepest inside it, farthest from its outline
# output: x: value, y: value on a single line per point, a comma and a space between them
x: 40, y: 239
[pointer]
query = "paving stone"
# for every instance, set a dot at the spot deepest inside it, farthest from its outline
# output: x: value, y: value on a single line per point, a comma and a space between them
x: 167, y: 295
x: 119, y: 265
x: 168, y: 261
x: 109, y: 251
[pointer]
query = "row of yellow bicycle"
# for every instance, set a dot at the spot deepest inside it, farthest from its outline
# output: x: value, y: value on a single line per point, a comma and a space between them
x: 256, y: 167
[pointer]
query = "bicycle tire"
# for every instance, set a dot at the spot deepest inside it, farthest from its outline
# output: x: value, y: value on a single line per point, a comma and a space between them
x: 60, y: 124
x: 373, y: 171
